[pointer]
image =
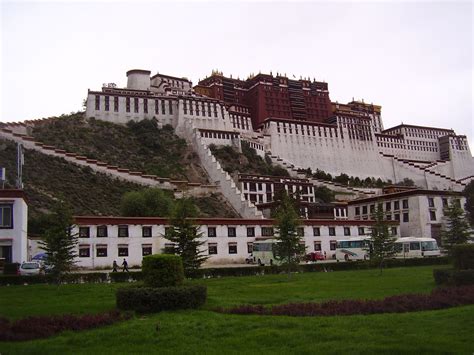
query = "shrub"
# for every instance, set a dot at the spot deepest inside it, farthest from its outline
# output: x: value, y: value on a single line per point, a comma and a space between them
x: 453, y: 277
x: 442, y: 276
x: 463, y: 256
x: 156, y: 299
x: 46, y: 326
x: 11, y: 268
x: 162, y: 270
x: 438, y: 299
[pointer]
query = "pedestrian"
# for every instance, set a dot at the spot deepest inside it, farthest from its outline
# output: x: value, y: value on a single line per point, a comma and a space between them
x: 325, y: 255
x: 125, y: 265
x: 114, y: 266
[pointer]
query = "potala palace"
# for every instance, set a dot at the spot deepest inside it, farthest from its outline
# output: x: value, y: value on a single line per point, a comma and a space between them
x: 294, y: 122
x: 291, y: 122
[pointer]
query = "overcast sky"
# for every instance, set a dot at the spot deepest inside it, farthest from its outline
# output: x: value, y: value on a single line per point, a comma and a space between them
x: 414, y: 59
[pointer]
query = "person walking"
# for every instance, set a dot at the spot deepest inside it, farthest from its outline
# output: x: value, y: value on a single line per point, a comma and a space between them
x: 125, y: 265
x: 114, y: 266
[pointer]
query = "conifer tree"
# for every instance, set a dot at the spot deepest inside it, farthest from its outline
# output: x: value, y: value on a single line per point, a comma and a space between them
x: 59, y: 242
x: 456, y: 229
x: 382, y: 242
x: 186, y: 236
x: 288, y: 248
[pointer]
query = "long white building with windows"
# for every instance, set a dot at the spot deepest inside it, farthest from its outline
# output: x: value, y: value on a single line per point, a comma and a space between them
x: 350, y: 140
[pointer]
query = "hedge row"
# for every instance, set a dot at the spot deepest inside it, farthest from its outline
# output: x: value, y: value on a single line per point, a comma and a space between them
x: 46, y: 326
x: 92, y: 277
x: 463, y: 256
x: 222, y: 272
x: 438, y: 299
x: 156, y: 299
x: 453, y: 277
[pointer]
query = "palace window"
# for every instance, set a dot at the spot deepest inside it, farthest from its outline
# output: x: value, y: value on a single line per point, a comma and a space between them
x: 185, y: 108
x: 101, y: 251
x: 84, y: 232
x: 394, y: 230
x: 146, y: 232
x: 332, y: 245
x: 317, y: 246
x: 300, y: 231
x: 432, y: 215
x: 212, y: 248
x: 431, y: 202
x: 145, y: 105
x: 232, y: 248
x: 97, y: 102
x: 347, y: 231
x: 267, y: 231
x: 127, y: 104
x: 332, y: 231
x: 405, y: 204
x: 316, y: 231
x: 101, y: 231
x: 211, y: 232
x: 250, y: 248
x: 135, y: 104
x: 84, y: 251
x: 122, y: 231
x: 396, y: 205
x: 361, y: 231
x: 406, y: 218
x: 157, y: 107
x: 116, y: 103
x: 231, y: 232
x: 6, y: 216
x: 170, y: 107
x: 146, y: 249
x: 163, y: 110
x: 388, y: 206
x: 250, y: 231
x: 357, y: 211
x: 364, y: 209
x: 209, y: 109
x: 107, y: 106
x: 123, y: 250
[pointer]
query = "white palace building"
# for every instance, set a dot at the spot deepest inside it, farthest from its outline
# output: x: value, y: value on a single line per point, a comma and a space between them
x: 294, y: 122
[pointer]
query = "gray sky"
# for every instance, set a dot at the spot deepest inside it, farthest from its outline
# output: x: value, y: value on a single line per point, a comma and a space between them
x: 414, y: 59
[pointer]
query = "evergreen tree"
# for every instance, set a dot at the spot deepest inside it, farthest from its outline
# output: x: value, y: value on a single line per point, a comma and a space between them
x: 456, y: 229
x: 59, y: 242
x: 469, y: 195
x: 288, y: 248
x: 186, y: 236
x: 382, y: 242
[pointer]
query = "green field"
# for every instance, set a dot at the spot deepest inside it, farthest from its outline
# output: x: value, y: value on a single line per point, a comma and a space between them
x: 204, y: 331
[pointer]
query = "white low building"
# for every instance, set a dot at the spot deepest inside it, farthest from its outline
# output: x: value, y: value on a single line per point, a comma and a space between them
x: 105, y: 239
x: 13, y: 226
x: 419, y: 212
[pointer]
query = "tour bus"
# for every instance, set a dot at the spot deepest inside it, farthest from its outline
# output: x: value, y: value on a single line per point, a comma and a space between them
x: 356, y: 248
x: 263, y: 253
x: 412, y: 247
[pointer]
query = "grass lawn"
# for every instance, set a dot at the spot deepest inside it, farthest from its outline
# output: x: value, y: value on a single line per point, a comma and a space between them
x: 203, y: 331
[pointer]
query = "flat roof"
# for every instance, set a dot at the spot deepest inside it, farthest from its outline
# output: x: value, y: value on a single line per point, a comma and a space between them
x: 115, y: 220
x: 405, y: 194
x: 13, y: 193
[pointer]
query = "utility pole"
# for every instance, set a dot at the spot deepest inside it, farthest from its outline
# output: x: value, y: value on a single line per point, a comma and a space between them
x: 20, y: 159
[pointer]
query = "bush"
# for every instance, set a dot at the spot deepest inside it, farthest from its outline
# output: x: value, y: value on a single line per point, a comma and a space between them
x: 463, y: 256
x: 156, y: 299
x: 162, y: 270
x: 11, y: 268
x: 438, y: 299
x: 46, y: 326
x: 453, y: 277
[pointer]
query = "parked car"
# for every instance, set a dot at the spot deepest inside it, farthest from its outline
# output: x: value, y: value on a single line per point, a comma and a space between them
x: 314, y: 256
x: 31, y: 268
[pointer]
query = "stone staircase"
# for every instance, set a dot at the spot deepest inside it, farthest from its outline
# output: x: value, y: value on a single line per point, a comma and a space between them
x: 227, y: 185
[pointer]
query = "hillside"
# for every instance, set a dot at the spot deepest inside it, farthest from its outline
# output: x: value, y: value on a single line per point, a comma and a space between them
x: 247, y: 162
x: 139, y: 146
x: 48, y: 178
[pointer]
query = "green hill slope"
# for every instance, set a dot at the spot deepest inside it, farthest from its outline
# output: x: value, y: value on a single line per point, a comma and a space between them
x: 139, y: 146
x: 48, y: 178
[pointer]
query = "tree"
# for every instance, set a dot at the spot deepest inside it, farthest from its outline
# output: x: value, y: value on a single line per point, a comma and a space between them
x: 382, y: 242
x: 288, y: 247
x: 59, y: 242
x: 469, y: 195
x: 186, y: 236
x: 150, y: 202
x: 324, y: 194
x: 456, y: 229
